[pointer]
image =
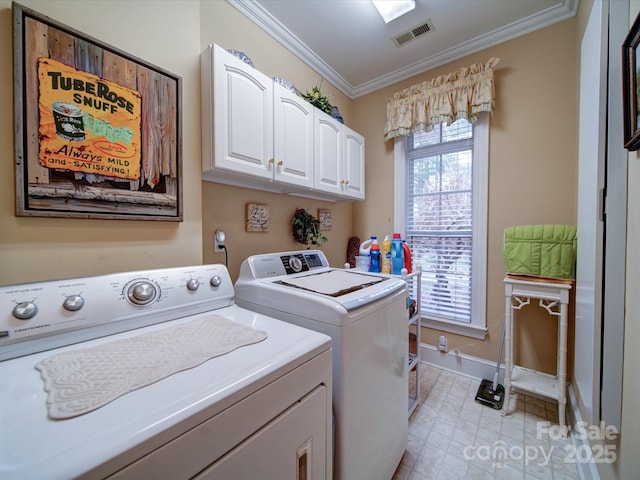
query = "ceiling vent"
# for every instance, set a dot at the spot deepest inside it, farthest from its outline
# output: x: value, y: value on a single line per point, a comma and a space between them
x: 417, y: 31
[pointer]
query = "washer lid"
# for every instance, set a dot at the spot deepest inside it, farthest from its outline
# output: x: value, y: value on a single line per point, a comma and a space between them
x: 347, y: 288
x: 334, y: 283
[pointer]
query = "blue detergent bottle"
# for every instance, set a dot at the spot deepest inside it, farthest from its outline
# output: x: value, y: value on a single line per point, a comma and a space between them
x: 375, y: 264
x: 397, y: 255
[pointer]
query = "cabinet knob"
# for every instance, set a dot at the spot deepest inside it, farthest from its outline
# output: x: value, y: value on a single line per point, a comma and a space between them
x: 271, y: 160
x: 280, y: 163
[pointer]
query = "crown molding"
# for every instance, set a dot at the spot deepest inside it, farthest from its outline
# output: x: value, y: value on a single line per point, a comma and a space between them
x: 283, y: 35
x: 263, y: 19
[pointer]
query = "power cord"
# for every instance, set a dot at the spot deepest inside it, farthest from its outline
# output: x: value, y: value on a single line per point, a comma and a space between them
x: 226, y: 255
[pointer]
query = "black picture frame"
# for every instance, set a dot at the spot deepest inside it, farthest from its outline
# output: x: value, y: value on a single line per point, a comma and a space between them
x: 630, y: 92
x: 98, y: 132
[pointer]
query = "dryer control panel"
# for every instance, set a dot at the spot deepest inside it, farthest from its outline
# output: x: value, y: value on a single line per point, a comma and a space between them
x: 43, y: 315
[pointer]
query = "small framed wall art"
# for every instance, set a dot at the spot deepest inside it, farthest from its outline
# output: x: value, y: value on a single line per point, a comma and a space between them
x: 98, y: 132
x: 257, y: 218
x: 324, y: 217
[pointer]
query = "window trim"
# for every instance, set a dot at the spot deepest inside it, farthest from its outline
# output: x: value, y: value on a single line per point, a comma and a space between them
x: 478, y: 326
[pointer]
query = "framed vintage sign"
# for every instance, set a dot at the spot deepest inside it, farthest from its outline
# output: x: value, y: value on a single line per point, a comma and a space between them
x: 98, y: 133
x: 631, y: 94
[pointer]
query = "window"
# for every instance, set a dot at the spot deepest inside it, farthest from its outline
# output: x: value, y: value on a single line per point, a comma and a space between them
x: 441, y: 207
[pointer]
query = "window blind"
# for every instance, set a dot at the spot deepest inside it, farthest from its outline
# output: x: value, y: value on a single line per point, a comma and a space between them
x: 440, y: 215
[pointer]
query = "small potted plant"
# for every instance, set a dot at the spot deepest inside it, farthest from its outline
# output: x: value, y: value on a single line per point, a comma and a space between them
x: 306, y: 229
x: 318, y: 99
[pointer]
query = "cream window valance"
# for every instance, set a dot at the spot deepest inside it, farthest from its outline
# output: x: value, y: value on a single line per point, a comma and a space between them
x: 460, y: 94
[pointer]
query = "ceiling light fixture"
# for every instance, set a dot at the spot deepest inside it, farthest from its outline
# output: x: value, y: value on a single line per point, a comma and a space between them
x: 392, y: 9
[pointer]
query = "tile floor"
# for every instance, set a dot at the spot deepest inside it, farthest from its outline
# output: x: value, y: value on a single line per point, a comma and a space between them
x: 451, y: 436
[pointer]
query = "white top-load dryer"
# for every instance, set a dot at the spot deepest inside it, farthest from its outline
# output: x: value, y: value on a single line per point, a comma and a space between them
x: 366, y: 317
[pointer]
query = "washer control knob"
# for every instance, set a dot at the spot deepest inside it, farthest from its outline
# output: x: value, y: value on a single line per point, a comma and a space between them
x: 73, y: 303
x: 215, y: 281
x: 141, y: 293
x: 25, y: 310
x: 193, y: 284
x: 295, y: 263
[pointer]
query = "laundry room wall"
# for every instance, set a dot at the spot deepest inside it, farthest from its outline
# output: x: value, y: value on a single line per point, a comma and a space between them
x: 35, y: 248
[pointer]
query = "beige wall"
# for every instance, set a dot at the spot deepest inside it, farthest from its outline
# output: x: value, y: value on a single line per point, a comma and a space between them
x: 224, y: 206
x: 532, y: 163
x: 33, y: 248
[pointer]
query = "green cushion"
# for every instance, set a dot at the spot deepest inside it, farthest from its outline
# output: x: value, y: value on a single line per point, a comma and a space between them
x: 541, y: 250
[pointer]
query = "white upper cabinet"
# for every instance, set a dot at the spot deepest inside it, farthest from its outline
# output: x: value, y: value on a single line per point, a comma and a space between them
x: 258, y: 134
x: 339, y: 158
x: 328, y: 153
x: 293, y: 138
x: 242, y: 116
x: 353, y: 164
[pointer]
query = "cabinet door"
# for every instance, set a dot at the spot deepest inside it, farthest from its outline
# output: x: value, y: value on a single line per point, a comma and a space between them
x: 292, y: 138
x: 328, y: 153
x: 353, y: 161
x: 243, y: 116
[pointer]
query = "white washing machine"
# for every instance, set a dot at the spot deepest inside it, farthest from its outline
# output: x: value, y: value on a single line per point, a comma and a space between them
x: 261, y: 410
x: 366, y: 317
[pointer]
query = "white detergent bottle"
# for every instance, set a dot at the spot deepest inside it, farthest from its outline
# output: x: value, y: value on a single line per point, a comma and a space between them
x: 365, y: 248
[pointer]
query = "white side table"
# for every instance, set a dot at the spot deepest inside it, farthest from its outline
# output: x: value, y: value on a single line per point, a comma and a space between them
x: 552, y: 296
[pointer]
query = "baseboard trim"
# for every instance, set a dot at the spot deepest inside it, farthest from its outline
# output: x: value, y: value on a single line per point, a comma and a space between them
x: 586, y: 470
x: 461, y: 363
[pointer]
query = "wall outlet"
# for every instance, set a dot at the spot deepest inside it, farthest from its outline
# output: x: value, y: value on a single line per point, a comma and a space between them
x: 218, y: 241
x: 442, y: 343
